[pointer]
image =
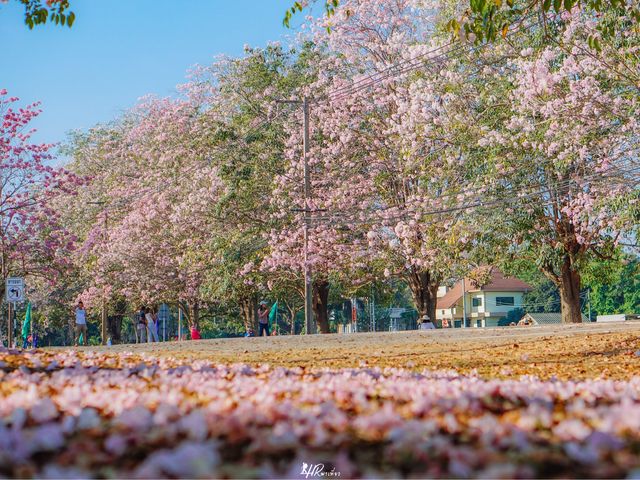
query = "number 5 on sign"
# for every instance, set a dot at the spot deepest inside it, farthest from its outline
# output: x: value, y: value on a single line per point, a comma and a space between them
x: 14, y: 289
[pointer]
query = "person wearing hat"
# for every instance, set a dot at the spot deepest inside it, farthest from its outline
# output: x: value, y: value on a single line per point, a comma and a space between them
x: 263, y: 319
x: 426, y: 323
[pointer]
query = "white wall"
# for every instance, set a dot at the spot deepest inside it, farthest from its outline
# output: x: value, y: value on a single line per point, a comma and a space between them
x: 491, y: 303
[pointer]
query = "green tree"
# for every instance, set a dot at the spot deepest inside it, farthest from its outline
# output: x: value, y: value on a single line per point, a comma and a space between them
x: 487, y: 20
x: 544, y: 298
x: 619, y: 294
x: 246, y: 143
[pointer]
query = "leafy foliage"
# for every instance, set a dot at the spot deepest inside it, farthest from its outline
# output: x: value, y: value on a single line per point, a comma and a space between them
x: 490, y: 20
x: 419, y: 170
x: 39, y: 12
x: 487, y: 20
x: 619, y: 294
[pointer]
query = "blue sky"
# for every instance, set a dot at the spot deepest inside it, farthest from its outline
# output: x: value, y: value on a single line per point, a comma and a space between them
x: 121, y: 50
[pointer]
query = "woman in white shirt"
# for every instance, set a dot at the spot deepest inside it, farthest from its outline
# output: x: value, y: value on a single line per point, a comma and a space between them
x: 81, y: 325
x: 152, y: 328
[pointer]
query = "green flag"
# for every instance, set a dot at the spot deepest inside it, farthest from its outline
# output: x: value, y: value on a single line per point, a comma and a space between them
x: 273, y: 313
x: 26, y: 325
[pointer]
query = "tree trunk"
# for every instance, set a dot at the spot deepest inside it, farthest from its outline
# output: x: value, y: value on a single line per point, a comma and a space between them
x: 114, y: 322
x: 321, y: 305
x: 248, y: 311
x: 424, y: 289
x: 293, y: 311
x: 70, y: 336
x: 194, y: 315
x: 114, y: 327
x: 569, y: 287
x: 568, y: 284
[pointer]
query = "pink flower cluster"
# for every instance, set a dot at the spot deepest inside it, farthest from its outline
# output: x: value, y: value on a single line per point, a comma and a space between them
x: 33, y: 240
x: 86, y: 415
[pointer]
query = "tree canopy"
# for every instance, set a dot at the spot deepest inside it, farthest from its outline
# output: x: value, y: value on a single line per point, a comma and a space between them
x: 427, y: 160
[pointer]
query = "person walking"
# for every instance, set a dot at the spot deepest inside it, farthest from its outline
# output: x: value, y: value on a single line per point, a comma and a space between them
x: 81, y: 325
x: 263, y: 319
x: 141, y: 326
x: 152, y: 332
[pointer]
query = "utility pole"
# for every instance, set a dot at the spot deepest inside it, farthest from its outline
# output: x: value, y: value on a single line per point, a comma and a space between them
x: 372, y: 310
x: 15, y: 318
x: 464, y: 305
x: 104, y: 300
x: 308, y: 283
x: 9, y: 327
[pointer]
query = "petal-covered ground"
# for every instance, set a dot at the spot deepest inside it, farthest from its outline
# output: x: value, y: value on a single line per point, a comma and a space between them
x: 94, y: 414
x: 566, y: 352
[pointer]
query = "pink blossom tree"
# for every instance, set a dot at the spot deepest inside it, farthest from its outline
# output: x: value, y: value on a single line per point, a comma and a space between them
x: 149, y: 228
x: 383, y: 158
x: 238, y: 98
x: 33, y: 243
x: 179, y: 201
x: 564, y: 157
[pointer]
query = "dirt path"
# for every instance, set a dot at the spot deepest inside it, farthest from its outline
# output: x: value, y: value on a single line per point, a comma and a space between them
x: 567, y: 352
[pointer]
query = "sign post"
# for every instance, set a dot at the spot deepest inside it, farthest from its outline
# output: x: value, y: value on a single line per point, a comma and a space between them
x: 14, y: 290
x: 9, y: 327
x: 394, y: 315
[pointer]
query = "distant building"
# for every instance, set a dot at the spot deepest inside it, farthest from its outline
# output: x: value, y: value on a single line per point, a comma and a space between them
x: 486, y: 304
x: 545, y: 319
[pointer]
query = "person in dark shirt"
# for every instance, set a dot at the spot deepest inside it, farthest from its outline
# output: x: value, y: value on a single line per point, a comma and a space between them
x: 263, y: 319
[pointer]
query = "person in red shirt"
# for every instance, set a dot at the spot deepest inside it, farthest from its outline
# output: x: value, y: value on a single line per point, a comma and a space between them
x: 195, y: 334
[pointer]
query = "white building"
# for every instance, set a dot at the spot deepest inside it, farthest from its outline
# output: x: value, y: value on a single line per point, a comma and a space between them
x: 485, y: 305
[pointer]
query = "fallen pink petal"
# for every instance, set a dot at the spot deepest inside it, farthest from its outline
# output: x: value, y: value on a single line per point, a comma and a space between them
x: 237, y: 420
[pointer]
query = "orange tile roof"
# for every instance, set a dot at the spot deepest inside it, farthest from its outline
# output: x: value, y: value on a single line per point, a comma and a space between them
x: 450, y: 298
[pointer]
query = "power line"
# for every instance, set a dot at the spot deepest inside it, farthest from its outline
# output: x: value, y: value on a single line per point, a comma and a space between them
x: 478, y: 204
x: 409, y: 65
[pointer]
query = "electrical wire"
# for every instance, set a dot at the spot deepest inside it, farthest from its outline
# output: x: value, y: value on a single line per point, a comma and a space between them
x: 478, y: 204
x: 406, y: 66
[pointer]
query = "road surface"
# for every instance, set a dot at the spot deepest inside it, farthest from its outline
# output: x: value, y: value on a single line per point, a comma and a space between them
x: 564, y: 351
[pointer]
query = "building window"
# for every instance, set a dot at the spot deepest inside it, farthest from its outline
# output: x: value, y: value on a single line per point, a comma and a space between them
x: 505, y: 301
x: 476, y: 302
